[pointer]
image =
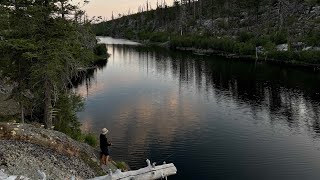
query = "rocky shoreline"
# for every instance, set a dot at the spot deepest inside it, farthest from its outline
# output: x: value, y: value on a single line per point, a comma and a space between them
x: 26, y: 149
x: 228, y: 55
x: 24, y: 158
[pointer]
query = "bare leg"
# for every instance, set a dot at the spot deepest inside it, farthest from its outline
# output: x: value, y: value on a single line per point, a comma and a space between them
x: 102, y: 159
x: 107, y: 159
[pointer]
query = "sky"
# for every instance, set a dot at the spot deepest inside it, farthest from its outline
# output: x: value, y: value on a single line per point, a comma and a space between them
x: 104, y: 8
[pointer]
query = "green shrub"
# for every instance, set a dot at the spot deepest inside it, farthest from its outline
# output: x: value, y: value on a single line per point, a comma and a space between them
x: 313, y: 38
x: 246, y: 48
x: 261, y: 40
x: 279, y: 37
x: 312, y: 57
x: 122, y: 166
x: 245, y: 36
x: 143, y: 35
x: 91, y: 139
x: 201, y: 42
x: 159, y: 37
x: 231, y: 45
x: 181, y: 41
x: 228, y: 44
x: 223, y: 44
x: 282, y: 55
x: 129, y: 34
x: 270, y: 46
x: 66, y: 120
x: 308, y: 56
x: 100, y: 50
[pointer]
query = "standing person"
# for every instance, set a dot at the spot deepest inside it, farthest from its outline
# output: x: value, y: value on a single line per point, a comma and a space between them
x: 104, y: 144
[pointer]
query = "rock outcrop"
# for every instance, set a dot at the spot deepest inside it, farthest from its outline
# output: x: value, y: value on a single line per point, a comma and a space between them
x: 26, y: 149
x: 7, y: 106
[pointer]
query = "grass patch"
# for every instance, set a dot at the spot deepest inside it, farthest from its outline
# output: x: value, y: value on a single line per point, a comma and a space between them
x: 122, y: 166
x: 94, y: 165
x: 91, y: 139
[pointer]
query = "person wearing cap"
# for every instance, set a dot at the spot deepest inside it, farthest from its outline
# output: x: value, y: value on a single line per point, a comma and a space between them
x: 104, y: 144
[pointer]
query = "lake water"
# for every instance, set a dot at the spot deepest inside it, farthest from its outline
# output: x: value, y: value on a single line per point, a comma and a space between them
x: 212, y: 117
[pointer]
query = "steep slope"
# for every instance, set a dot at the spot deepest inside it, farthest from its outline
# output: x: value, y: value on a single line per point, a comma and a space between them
x: 230, y: 26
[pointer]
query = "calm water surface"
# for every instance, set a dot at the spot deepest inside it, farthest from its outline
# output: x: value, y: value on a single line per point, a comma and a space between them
x: 214, y: 118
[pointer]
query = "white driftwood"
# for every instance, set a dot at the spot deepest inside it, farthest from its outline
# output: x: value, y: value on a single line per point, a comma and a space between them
x: 151, y: 172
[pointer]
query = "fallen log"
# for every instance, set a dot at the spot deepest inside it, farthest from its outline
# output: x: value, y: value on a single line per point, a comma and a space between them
x: 151, y: 172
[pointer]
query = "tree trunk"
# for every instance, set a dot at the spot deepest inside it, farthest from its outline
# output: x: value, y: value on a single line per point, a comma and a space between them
x: 22, y: 113
x: 227, y: 7
x: 48, y: 106
x: 194, y: 9
x: 212, y: 14
x: 200, y: 12
x: 62, y: 10
x: 281, y: 14
x: 147, y: 6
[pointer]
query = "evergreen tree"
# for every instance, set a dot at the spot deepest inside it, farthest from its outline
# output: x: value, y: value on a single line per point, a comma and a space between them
x: 42, y: 50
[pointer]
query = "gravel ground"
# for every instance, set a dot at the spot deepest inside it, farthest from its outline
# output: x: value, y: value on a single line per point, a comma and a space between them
x: 25, y: 149
x: 23, y: 158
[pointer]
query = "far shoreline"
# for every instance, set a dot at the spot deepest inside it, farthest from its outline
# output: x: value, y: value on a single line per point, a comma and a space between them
x: 225, y: 54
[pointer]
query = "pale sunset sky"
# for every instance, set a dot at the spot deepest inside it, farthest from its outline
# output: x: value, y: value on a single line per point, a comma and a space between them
x: 104, y: 8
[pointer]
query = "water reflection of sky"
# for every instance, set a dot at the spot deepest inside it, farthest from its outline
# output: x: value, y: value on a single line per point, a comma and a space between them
x: 237, y: 120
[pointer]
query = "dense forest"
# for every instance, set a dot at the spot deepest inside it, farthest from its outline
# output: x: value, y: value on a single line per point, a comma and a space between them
x: 230, y: 26
x: 43, y: 44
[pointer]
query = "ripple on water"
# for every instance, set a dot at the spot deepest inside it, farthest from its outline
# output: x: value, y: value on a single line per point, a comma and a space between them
x: 215, y: 119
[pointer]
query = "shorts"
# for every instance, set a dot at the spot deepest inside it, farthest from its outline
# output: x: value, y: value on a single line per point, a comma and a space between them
x: 105, y: 151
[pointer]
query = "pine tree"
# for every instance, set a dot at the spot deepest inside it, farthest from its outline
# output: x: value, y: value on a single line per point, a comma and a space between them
x: 41, y: 58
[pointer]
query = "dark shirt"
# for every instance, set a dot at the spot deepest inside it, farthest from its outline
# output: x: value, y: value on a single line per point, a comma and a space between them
x: 104, y: 142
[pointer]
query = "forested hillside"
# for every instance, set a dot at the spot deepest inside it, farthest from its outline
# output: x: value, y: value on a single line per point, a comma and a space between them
x: 227, y: 25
